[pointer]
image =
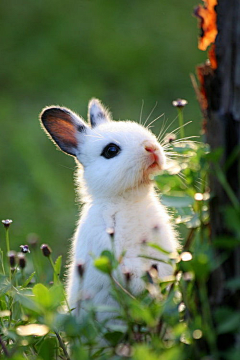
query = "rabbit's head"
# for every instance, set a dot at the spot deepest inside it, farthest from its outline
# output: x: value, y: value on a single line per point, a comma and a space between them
x: 116, y: 155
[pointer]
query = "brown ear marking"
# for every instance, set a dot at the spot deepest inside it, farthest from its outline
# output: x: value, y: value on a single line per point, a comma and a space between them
x: 62, y: 126
x: 63, y: 132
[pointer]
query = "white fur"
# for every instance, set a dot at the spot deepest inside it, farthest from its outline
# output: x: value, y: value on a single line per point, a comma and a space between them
x: 118, y: 194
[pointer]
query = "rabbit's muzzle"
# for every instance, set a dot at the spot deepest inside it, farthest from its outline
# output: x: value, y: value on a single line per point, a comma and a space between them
x: 155, y: 157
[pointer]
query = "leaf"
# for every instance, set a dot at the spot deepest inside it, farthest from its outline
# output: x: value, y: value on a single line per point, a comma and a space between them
x: 57, y: 295
x: 145, y: 352
x: 155, y: 259
x: 5, y: 285
x: 16, y: 310
x: 97, y: 354
x: 18, y: 357
x: 57, y: 269
x: 80, y: 353
x: 157, y: 247
x: 103, y: 264
x: 179, y: 329
x: 114, y: 337
x: 181, y: 219
x: 49, y: 298
x: 108, y: 254
x: 177, y: 201
x: 68, y: 324
x: 26, y: 282
x: 141, y: 313
x: 47, y: 348
x: 27, y: 301
x: 215, y: 155
x: 117, y: 327
x: 194, y: 222
x: 107, y: 308
x: 42, y: 295
x: 89, y: 330
x: 200, y: 265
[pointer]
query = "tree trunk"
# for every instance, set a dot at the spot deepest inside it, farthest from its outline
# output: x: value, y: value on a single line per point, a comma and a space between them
x: 222, y: 89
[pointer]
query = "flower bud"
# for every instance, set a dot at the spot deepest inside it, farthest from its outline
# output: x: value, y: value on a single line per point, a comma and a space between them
x: 12, y: 258
x: 179, y: 103
x: 24, y: 249
x: 6, y: 223
x: 21, y: 260
x: 46, y: 250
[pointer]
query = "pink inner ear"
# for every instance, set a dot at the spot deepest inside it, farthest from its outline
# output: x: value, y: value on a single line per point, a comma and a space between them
x: 62, y: 130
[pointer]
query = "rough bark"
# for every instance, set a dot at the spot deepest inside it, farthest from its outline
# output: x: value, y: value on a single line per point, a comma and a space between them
x: 222, y: 88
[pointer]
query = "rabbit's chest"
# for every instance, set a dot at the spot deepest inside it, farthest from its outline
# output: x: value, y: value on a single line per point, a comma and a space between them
x: 135, y: 225
x: 133, y: 228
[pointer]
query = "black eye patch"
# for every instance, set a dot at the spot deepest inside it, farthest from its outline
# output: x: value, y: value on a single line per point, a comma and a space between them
x: 110, y: 151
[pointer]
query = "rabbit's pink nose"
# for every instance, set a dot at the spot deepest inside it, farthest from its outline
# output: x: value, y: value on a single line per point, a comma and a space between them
x: 150, y: 148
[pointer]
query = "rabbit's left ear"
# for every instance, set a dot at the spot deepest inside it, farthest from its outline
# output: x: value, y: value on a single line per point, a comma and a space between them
x: 97, y: 113
x: 65, y: 128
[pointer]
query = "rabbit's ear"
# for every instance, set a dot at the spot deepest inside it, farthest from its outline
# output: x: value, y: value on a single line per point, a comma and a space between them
x: 64, y: 127
x: 97, y: 113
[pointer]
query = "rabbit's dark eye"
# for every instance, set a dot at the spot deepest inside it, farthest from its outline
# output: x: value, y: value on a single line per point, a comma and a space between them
x: 110, y: 151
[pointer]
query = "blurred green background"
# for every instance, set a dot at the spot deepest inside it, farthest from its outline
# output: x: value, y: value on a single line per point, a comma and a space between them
x: 65, y: 52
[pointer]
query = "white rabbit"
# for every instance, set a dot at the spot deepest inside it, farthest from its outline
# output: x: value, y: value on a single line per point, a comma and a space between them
x: 118, y: 159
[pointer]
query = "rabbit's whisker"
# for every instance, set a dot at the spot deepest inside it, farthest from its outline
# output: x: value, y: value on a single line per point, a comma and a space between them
x: 164, y: 132
x: 149, y: 125
x: 150, y: 114
x: 141, y: 111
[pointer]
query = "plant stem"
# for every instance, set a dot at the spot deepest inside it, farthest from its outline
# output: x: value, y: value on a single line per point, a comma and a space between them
x: 1, y: 259
x: 181, y: 122
x: 5, y: 350
x: 122, y: 288
x: 23, y: 277
x: 8, y: 250
x: 189, y: 240
x: 37, y: 268
x: 55, y: 276
x: 7, y: 240
x: 51, y: 262
x: 62, y: 345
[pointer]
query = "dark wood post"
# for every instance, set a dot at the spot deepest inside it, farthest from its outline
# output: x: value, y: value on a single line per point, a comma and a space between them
x: 222, y: 91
